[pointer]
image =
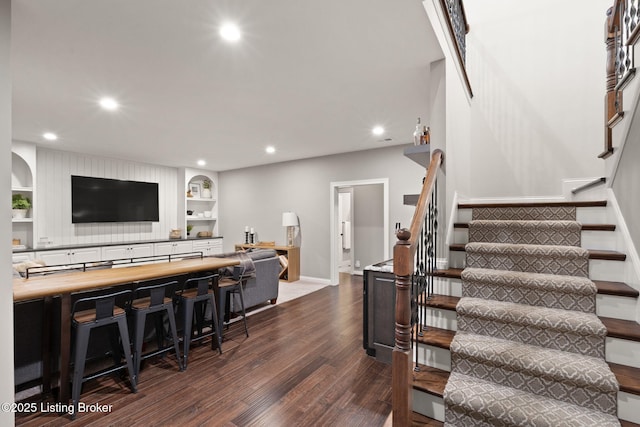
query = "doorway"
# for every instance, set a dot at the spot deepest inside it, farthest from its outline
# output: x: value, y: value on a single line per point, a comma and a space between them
x: 359, y: 225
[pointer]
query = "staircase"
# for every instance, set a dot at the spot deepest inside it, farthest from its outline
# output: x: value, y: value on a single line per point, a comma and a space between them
x: 546, y: 330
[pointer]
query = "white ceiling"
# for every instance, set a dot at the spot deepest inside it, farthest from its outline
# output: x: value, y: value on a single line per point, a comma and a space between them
x: 310, y: 78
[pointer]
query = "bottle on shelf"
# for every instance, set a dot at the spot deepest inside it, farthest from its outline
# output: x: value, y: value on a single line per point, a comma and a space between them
x: 426, y: 138
x: 417, y: 134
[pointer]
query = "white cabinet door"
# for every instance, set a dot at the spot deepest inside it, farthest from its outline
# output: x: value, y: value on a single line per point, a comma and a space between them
x: 115, y: 252
x: 23, y: 256
x: 172, y: 248
x: 208, y: 247
x: 127, y: 251
x: 59, y: 257
x: 141, y: 250
x: 86, y: 254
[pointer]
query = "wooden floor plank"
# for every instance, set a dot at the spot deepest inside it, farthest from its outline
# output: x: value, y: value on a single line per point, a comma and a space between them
x: 303, y: 364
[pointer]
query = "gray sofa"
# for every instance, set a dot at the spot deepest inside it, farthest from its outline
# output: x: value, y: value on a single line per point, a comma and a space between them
x: 262, y: 286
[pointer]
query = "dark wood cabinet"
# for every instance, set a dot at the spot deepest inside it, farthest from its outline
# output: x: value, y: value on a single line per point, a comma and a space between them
x: 379, y: 311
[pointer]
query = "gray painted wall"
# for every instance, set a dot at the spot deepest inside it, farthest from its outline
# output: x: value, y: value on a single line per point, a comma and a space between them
x: 368, y: 221
x: 257, y: 197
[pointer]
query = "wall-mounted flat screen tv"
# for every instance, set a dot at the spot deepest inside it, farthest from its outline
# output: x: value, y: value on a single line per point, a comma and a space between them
x: 112, y: 200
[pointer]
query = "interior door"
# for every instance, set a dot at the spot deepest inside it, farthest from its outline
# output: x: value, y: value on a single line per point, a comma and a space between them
x: 345, y: 227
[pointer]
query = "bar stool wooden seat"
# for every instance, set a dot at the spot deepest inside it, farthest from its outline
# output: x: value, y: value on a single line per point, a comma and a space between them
x: 153, y: 299
x: 229, y: 286
x: 198, y: 290
x: 103, y: 312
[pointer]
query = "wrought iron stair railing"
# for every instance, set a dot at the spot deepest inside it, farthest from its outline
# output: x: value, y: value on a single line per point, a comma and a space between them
x: 414, y: 261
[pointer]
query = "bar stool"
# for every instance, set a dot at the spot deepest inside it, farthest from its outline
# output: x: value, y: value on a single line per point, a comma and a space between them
x: 234, y: 286
x: 197, y: 290
x: 103, y: 312
x: 147, y: 300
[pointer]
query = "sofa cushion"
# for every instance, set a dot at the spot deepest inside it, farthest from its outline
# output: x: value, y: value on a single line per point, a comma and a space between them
x: 257, y: 254
x: 246, y: 264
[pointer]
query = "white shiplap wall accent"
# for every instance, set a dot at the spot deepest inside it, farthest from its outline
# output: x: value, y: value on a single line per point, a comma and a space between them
x: 54, y: 198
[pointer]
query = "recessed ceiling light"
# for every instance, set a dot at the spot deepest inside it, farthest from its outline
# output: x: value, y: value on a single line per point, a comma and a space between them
x: 230, y: 32
x: 109, y: 104
x: 201, y: 163
x: 377, y: 130
x: 270, y: 149
x: 50, y: 136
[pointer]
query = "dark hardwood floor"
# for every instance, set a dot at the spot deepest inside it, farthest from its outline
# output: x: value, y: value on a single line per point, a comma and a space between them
x: 303, y: 365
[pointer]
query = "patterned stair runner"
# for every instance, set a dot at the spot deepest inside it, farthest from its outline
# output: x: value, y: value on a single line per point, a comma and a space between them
x: 529, y: 350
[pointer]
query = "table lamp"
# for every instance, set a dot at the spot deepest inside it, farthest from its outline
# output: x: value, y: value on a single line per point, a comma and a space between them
x: 289, y: 220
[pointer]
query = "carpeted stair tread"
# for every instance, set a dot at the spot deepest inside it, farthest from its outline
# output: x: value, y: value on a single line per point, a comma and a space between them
x: 527, y: 232
x: 468, y: 398
x: 523, y: 314
x: 566, y: 284
x: 548, y: 259
x: 546, y: 290
x: 585, y: 227
x: 566, y: 330
x: 605, y: 287
x: 567, y: 367
x: 593, y: 253
x: 575, y: 204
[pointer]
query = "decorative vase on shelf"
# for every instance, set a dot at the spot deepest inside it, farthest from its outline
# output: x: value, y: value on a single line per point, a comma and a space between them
x: 206, y: 189
x: 19, y: 213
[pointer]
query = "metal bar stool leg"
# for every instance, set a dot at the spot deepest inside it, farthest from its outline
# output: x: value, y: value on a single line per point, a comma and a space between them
x: 124, y: 333
x: 82, y: 342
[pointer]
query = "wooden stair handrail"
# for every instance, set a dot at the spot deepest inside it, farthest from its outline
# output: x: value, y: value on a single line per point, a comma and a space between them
x: 403, y: 255
x: 452, y: 33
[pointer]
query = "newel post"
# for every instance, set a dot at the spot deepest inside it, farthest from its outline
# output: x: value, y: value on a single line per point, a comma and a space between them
x: 401, y: 358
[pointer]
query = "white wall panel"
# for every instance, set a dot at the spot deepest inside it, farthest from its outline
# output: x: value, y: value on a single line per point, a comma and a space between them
x: 54, y: 188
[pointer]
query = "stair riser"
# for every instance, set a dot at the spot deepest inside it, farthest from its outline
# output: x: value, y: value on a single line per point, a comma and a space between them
x: 615, y: 271
x: 593, y: 399
x: 435, y: 357
x: 628, y: 405
x: 441, y: 318
x: 596, y: 215
x: 604, y: 240
x: 536, y: 297
x: 451, y: 287
x: 623, y: 352
x: 428, y: 405
x: 531, y: 334
x: 616, y: 307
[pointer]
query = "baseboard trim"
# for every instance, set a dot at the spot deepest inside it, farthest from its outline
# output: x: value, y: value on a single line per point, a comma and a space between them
x: 317, y: 280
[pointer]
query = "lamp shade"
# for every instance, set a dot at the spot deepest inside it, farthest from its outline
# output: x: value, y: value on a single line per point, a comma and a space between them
x: 289, y: 219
